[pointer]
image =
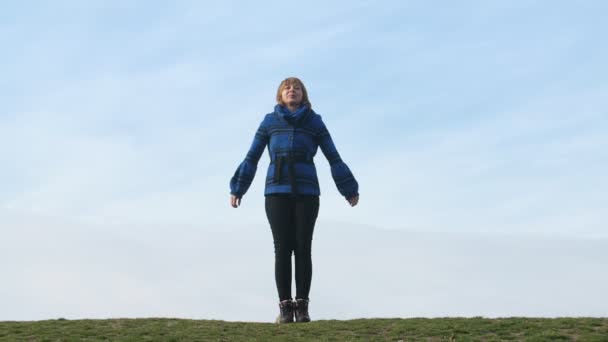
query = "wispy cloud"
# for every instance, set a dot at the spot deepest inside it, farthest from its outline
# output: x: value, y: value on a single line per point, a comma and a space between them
x: 507, y: 172
x: 182, y: 271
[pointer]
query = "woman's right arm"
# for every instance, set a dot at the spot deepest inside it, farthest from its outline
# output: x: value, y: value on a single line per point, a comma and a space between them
x: 240, y: 182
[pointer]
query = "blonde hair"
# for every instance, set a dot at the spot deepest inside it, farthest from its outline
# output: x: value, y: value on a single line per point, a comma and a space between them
x: 292, y: 81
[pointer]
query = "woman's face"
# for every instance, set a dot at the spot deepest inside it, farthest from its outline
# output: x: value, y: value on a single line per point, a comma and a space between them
x: 292, y: 94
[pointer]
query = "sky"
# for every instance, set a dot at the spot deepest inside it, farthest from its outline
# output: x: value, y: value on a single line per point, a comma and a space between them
x: 121, y: 123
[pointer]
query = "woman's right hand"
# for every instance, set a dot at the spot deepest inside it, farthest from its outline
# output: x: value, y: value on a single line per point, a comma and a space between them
x: 235, y: 201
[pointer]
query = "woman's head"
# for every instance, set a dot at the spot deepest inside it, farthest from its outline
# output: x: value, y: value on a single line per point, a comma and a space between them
x: 292, y: 93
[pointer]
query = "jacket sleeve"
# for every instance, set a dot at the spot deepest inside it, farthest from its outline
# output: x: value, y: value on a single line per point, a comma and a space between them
x: 345, y: 181
x: 244, y: 174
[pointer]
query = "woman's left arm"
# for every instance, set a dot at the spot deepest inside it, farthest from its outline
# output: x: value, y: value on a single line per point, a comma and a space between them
x: 345, y: 181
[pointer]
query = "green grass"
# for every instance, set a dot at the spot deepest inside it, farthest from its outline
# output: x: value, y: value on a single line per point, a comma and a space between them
x: 414, y: 329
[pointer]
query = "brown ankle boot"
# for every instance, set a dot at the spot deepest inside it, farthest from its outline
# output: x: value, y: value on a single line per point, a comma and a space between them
x: 302, y: 311
x: 286, y: 315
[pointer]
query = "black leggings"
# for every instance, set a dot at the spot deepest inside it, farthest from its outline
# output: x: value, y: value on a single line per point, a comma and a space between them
x: 292, y: 220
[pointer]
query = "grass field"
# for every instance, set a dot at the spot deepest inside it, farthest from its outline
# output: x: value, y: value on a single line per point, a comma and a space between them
x: 414, y: 329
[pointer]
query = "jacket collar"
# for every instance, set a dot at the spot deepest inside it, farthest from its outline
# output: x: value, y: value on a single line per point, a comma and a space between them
x: 292, y: 117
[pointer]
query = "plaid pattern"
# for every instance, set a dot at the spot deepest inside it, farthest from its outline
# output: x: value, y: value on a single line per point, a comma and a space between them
x: 295, y: 137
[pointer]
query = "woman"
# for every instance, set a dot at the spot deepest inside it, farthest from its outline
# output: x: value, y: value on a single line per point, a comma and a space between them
x: 293, y: 132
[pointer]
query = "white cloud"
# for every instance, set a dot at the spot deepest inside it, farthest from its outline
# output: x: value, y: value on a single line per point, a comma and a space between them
x: 77, y: 270
x: 534, y: 169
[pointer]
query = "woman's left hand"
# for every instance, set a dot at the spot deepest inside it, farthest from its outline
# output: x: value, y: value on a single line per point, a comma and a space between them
x: 353, y: 200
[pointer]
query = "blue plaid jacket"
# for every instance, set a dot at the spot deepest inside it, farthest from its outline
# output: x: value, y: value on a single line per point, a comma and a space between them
x: 292, y: 140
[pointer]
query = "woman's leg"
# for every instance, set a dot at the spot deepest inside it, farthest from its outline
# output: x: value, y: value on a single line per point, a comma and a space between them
x: 306, y: 211
x: 279, y: 210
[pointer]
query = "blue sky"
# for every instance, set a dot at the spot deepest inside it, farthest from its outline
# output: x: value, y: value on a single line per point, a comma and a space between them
x: 470, y: 117
x: 454, y: 117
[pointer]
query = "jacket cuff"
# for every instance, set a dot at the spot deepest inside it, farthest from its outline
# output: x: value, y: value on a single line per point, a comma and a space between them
x: 351, y: 195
